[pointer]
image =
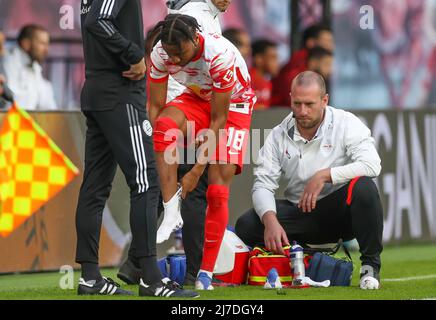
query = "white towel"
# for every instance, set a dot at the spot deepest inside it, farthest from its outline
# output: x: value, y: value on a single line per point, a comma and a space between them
x: 310, y: 282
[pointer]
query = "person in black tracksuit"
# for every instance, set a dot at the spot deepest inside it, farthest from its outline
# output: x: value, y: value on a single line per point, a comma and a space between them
x: 118, y: 132
x: 193, y: 210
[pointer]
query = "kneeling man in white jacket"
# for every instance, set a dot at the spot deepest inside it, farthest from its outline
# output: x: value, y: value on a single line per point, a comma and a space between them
x: 326, y: 157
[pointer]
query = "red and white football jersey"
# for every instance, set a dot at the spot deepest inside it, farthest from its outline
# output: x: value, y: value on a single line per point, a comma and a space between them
x: 218, y: 67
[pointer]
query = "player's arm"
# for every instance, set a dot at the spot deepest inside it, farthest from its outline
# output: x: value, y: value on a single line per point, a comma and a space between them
x: 267, y: 174
x: 158, y: 96
x: 158, y: 77
x: 100, y: 23
x: 219, y: 112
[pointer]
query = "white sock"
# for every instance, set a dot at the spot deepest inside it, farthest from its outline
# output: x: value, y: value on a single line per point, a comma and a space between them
x: 172, y: 218
x: 173, y: 203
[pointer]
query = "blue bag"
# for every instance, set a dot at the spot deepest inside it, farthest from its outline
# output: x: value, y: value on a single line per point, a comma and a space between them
x: 324, y: 266
x: 173, y: 267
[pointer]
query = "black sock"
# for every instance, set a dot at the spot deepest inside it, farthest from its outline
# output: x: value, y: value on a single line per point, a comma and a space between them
x: 150, y: 272
x: 91, y: 271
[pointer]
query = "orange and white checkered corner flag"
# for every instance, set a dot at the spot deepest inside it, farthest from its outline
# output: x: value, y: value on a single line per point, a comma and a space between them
x: 32, y: 169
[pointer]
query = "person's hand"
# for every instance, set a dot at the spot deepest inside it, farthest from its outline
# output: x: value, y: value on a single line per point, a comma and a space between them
x: 312, y: 190
x: 2, y: 44
x: 274, y: 235
x: 137, y: 71
x: 189, y: 182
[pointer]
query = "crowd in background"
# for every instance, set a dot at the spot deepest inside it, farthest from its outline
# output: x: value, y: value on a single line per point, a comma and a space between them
x: 272, y: 83
x: 21, y: 66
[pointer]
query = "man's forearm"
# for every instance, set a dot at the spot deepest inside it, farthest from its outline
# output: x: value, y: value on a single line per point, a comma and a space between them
x: 350, y: 171
x: 263, y: 202
x: 325, y: 175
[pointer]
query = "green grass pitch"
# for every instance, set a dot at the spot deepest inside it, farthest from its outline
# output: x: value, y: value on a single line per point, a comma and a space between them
x: 399, y: 265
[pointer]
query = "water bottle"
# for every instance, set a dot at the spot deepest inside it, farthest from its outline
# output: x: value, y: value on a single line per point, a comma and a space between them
x: 297, y: 263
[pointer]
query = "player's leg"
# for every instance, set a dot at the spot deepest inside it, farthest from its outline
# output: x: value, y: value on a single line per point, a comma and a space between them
x: 170, y: 124
x: 217, y: 216
x: 170, y: 119
x: 175, y: 116
x: 226, y: 162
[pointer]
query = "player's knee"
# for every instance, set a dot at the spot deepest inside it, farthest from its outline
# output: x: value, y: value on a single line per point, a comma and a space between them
x: 165, y: 133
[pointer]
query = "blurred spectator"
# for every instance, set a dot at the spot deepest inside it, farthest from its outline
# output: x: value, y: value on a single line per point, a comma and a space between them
x: 319, y: 60
x: 265, y: 66
x: 241, y: 39
x: 24, y: 71
x: 314, y: 36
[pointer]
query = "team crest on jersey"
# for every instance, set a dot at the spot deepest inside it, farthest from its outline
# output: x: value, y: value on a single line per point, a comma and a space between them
x: 146, y: 126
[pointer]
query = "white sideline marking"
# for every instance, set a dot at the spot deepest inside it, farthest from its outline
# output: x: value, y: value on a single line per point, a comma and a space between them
x: 430, y: 276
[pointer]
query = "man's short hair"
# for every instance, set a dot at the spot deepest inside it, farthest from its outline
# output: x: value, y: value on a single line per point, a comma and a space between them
x: 313, y: 32
x: 28, y: 31
x: 319, y: 53
x: 307, y: 78
x: 261, y: 46
x: 232, y: 35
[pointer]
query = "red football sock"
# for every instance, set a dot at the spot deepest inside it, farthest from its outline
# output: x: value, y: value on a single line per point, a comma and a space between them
x: 217, y: 216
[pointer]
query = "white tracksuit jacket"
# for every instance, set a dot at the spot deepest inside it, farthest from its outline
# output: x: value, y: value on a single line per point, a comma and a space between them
x: 343, y: 143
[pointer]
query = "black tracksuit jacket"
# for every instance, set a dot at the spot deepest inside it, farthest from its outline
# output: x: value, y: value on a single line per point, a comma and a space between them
x: 113, y: 40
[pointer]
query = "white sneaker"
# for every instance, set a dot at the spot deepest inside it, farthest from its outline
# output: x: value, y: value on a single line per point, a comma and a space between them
x: 172, y: 220
x: 369, y: 278
x: 369, y: 283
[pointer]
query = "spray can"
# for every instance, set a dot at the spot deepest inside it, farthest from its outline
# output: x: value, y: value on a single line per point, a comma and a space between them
x: 297, y: 263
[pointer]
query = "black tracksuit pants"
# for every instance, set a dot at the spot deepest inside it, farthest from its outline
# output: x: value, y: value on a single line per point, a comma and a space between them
x: 119, y: 136
x: 354, y: 211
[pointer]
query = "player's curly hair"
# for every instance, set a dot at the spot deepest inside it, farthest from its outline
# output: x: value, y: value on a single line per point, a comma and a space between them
x: 175, y: 29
